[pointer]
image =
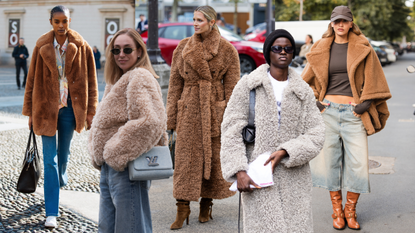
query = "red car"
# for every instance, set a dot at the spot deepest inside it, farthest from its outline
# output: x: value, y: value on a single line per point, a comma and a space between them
x: 256, y: 36
x: 170, y: 34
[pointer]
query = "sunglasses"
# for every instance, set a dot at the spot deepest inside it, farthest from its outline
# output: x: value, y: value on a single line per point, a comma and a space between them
x: 278, y: 49
x: 125, y: 50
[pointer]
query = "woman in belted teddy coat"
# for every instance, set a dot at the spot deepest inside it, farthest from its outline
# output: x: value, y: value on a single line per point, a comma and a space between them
x: 204, y: 71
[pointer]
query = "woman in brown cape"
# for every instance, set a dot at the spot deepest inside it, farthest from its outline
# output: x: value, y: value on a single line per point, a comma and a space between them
x: 348, y: 81
x: 204, y: 71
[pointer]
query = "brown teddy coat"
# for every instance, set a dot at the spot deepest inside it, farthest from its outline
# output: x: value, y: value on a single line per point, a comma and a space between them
x: 203, y: 75
x: 130, y: 120
x: 366, y: 77
x: 41, y: 100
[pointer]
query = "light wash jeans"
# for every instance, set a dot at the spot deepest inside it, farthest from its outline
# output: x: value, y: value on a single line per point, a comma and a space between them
x: 344, y: 161
x: 124, y: 205
x: 56, y: 157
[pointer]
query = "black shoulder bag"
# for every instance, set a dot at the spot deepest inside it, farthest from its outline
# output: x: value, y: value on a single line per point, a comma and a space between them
x: 248, y: 132
x: 31, y: 169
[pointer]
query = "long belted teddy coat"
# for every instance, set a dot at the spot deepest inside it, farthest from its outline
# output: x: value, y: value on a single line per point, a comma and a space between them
x: 203, y: 75
x: 41, y: 100
x: 130, y: 120
x: 285, y: 206
x: 366, y: 77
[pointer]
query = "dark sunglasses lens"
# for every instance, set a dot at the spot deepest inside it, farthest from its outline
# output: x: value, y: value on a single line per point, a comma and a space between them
x: 128, y: 50
x: 276, y: 49
x: 115, y: 51
x: 289, y: 49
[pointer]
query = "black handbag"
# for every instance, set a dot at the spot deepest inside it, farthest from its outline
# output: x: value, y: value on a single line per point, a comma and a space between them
x: 31, y: 168
x: 248, y: 132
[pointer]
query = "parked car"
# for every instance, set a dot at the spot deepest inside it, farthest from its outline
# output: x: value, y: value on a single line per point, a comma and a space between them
x: 397, y: 48
x: 258, y: 36
x: 387, y: 48
x: 382, y: 55
x: 257, y: 28
x: 170, y: 34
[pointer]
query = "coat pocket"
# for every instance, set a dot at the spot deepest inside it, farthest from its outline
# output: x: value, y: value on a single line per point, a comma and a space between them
x: 217, y: 117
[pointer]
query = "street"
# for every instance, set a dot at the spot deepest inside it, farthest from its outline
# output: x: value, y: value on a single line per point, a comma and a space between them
x: 389, y: 208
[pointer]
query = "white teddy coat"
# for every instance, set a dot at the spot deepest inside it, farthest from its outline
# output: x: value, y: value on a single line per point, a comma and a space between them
x: 285, y: 206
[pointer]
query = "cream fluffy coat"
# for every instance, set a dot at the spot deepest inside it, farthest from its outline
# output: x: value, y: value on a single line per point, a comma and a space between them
x: 285, y: 206
x: 130, y: 120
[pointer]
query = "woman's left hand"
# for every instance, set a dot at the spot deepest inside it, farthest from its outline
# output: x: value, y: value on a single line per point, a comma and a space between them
x: 275, y: 158
x: 89, y: 121
x: 355, y: 114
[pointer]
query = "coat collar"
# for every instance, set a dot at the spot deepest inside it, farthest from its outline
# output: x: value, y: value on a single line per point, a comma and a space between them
x: 319, y: 56
x: 47, y: 51
x: 259, y: 77
x: 197, y: 53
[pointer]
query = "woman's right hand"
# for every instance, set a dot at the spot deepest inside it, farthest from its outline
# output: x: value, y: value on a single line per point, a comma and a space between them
x: 244, y: 182
x: 322, y: 106
x: 30, y: 122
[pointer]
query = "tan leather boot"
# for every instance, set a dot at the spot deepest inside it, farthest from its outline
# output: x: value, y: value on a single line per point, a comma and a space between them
x: 350, y: 210
x: 205, y: 210
x: 338, y: 215
x: 183, y: 212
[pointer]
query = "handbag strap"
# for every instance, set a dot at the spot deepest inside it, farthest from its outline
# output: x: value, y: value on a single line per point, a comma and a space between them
x: 251, y: 118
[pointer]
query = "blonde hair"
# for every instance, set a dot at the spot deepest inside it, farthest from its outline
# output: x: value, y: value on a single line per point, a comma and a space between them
x: 330, y: 31
x: 113, y: 72
x: 209, y: 14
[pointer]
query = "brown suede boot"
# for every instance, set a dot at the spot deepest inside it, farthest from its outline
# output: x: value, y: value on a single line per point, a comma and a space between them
x: 350, y: 210
x: 183, y: 212
x: 205, y: 210
x: 338, y: 215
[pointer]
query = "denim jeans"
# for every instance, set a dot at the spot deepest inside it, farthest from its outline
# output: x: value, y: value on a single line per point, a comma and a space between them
x: 344, y: 161
x: 56, y: 157
x: 124, y: 205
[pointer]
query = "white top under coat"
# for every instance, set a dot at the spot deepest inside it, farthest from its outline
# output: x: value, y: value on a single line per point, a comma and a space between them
x: 278, y: 87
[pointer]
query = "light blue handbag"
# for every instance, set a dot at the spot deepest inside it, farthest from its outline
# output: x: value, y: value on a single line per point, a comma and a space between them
x: 155, y: 164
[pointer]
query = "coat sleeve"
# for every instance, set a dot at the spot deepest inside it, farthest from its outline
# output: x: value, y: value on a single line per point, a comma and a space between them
x: 309, y: 144
x: 174, y: 93
x: 233, y: 150
x: 232, y: 75
x: 92, y: 82
x: 310, y: 78
x: 14, y: 54
x: 146, y: 124
x: 27, y: 103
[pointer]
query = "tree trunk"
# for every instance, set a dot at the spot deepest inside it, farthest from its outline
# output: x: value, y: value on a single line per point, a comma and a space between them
x: 235, y: 18
x: 174, y: 11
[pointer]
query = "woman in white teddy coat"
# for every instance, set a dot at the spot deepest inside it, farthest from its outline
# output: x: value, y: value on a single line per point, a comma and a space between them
x: 294, y: 138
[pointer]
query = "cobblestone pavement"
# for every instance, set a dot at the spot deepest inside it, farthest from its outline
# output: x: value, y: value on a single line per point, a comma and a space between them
x: 25, y: 212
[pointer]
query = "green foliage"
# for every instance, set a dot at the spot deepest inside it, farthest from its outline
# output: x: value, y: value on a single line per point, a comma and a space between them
x: 378, y: 19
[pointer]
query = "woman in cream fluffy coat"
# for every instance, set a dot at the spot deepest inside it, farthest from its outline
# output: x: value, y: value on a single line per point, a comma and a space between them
x: 204, y: 71
x: 288, y: 125
x: 130, y: 120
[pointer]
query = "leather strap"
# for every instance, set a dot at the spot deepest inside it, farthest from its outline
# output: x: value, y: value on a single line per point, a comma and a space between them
x: 251, y: 118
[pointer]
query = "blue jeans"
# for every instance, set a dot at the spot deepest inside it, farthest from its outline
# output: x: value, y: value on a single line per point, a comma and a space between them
x: 344, y: 161
x: 56, y: 157
x: 124, y: 205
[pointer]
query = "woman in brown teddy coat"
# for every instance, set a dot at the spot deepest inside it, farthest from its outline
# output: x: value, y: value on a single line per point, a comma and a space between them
x: 61, y: 94
x: 204, y: 71
x: 350, y: 86
x: 130, y: 120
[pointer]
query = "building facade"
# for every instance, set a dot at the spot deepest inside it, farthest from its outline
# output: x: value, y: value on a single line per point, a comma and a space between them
x: 95, y: 20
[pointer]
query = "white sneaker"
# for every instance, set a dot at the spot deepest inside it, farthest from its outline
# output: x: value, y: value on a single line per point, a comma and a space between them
x: 51, y: 222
